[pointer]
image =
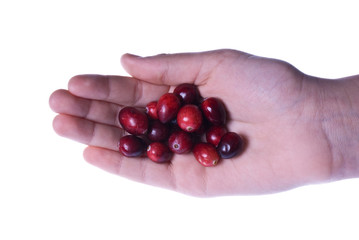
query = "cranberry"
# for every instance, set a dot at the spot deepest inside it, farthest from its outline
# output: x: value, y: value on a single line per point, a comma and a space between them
x: 180, y: 142
x: 167, y: 107
x: 214, y: 134
x: 213, y: 109
x: 159, y: 152
x: 158, y: 131
x: 188, y: 93
x: 206, y: 154
x: 133, y: 120
x: 132, y: 146
x: 151, y: 110
x: 230, y: 145
x: 189, y: 118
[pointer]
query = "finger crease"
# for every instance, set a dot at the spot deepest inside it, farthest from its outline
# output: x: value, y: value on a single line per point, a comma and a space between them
x: 138, y: 92
x: 118, y: 165
x: 93, y: 131
x: 164, y: 74
x: 89, y: 107
x: 108, y: 87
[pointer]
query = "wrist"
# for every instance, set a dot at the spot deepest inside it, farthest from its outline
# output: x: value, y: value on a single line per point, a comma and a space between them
x: 340, y: 125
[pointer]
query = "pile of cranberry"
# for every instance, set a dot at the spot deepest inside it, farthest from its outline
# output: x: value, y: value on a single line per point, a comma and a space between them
x: 179, y: 122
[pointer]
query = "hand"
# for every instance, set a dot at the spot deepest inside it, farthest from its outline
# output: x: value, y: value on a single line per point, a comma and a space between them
x: 269, y: 101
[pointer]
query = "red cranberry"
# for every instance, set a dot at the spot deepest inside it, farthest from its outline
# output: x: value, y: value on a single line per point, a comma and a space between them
x: 167, y: 107
x: 188, y: 93
x: 159, y: 152
x: 133, y: 120
x: 189, y: 118
x: 157, y: 131
x: 214, y: 134
x: 213, y: 109
x: 132, y: 146
x: 151, y: 110
x: 230, y: 145
x: 180, y: 142
x: 206, y: 154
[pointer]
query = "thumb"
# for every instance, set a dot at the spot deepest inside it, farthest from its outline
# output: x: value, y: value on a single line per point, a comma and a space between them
x: 173, y: 69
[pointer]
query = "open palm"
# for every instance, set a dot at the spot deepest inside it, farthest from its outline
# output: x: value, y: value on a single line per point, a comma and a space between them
x: 268, y: 101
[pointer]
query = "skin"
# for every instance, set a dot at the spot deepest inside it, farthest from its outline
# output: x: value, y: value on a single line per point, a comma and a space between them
x: 299, y: 129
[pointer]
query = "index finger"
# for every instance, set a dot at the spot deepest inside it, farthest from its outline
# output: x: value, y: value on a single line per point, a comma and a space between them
x: 116, y: 89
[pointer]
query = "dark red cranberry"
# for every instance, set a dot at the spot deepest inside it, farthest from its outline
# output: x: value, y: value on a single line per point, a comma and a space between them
x: 214, y: 134
x: 188, y: 93
x: 133, y: 120
x: 159, y: 152
x: 151, y: 110
x: 132, y: 146
x: 230, y: 145
x: 157, y: 131
x: 189, y: 118
x: 214, y: 110
x: 167, y: 107
x: 180, y: 142
x: 206, y: 154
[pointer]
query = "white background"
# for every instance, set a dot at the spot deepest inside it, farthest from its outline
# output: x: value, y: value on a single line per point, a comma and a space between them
x: 47, y: 191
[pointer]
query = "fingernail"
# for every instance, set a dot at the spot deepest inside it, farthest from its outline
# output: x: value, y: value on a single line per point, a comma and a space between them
x: 133, y: 55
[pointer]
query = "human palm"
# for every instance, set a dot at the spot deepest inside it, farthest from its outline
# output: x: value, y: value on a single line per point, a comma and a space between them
x: 268, y: 101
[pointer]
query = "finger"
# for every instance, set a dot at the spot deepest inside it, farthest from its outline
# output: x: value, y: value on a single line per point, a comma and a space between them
x: 62, y: 101
x: 115, y: 89
x: 173, y: 69
x: 137, y: 169
x: 183, y: 174
x: 87, y: 132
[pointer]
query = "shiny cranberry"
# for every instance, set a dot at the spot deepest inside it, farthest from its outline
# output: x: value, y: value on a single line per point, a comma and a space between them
x: 188, y: 93
x: 159, y: 152
x: 133, y: 120
x: 167, y: 107
x: 189, y: 118
x: 132, y: 146
x: 151, y: 110
x: 214, y: 110
x: 206, y: 154
x: 214, y: 134
x: 230, y: 145
x: 157, y: 131
x: 180, y: 142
